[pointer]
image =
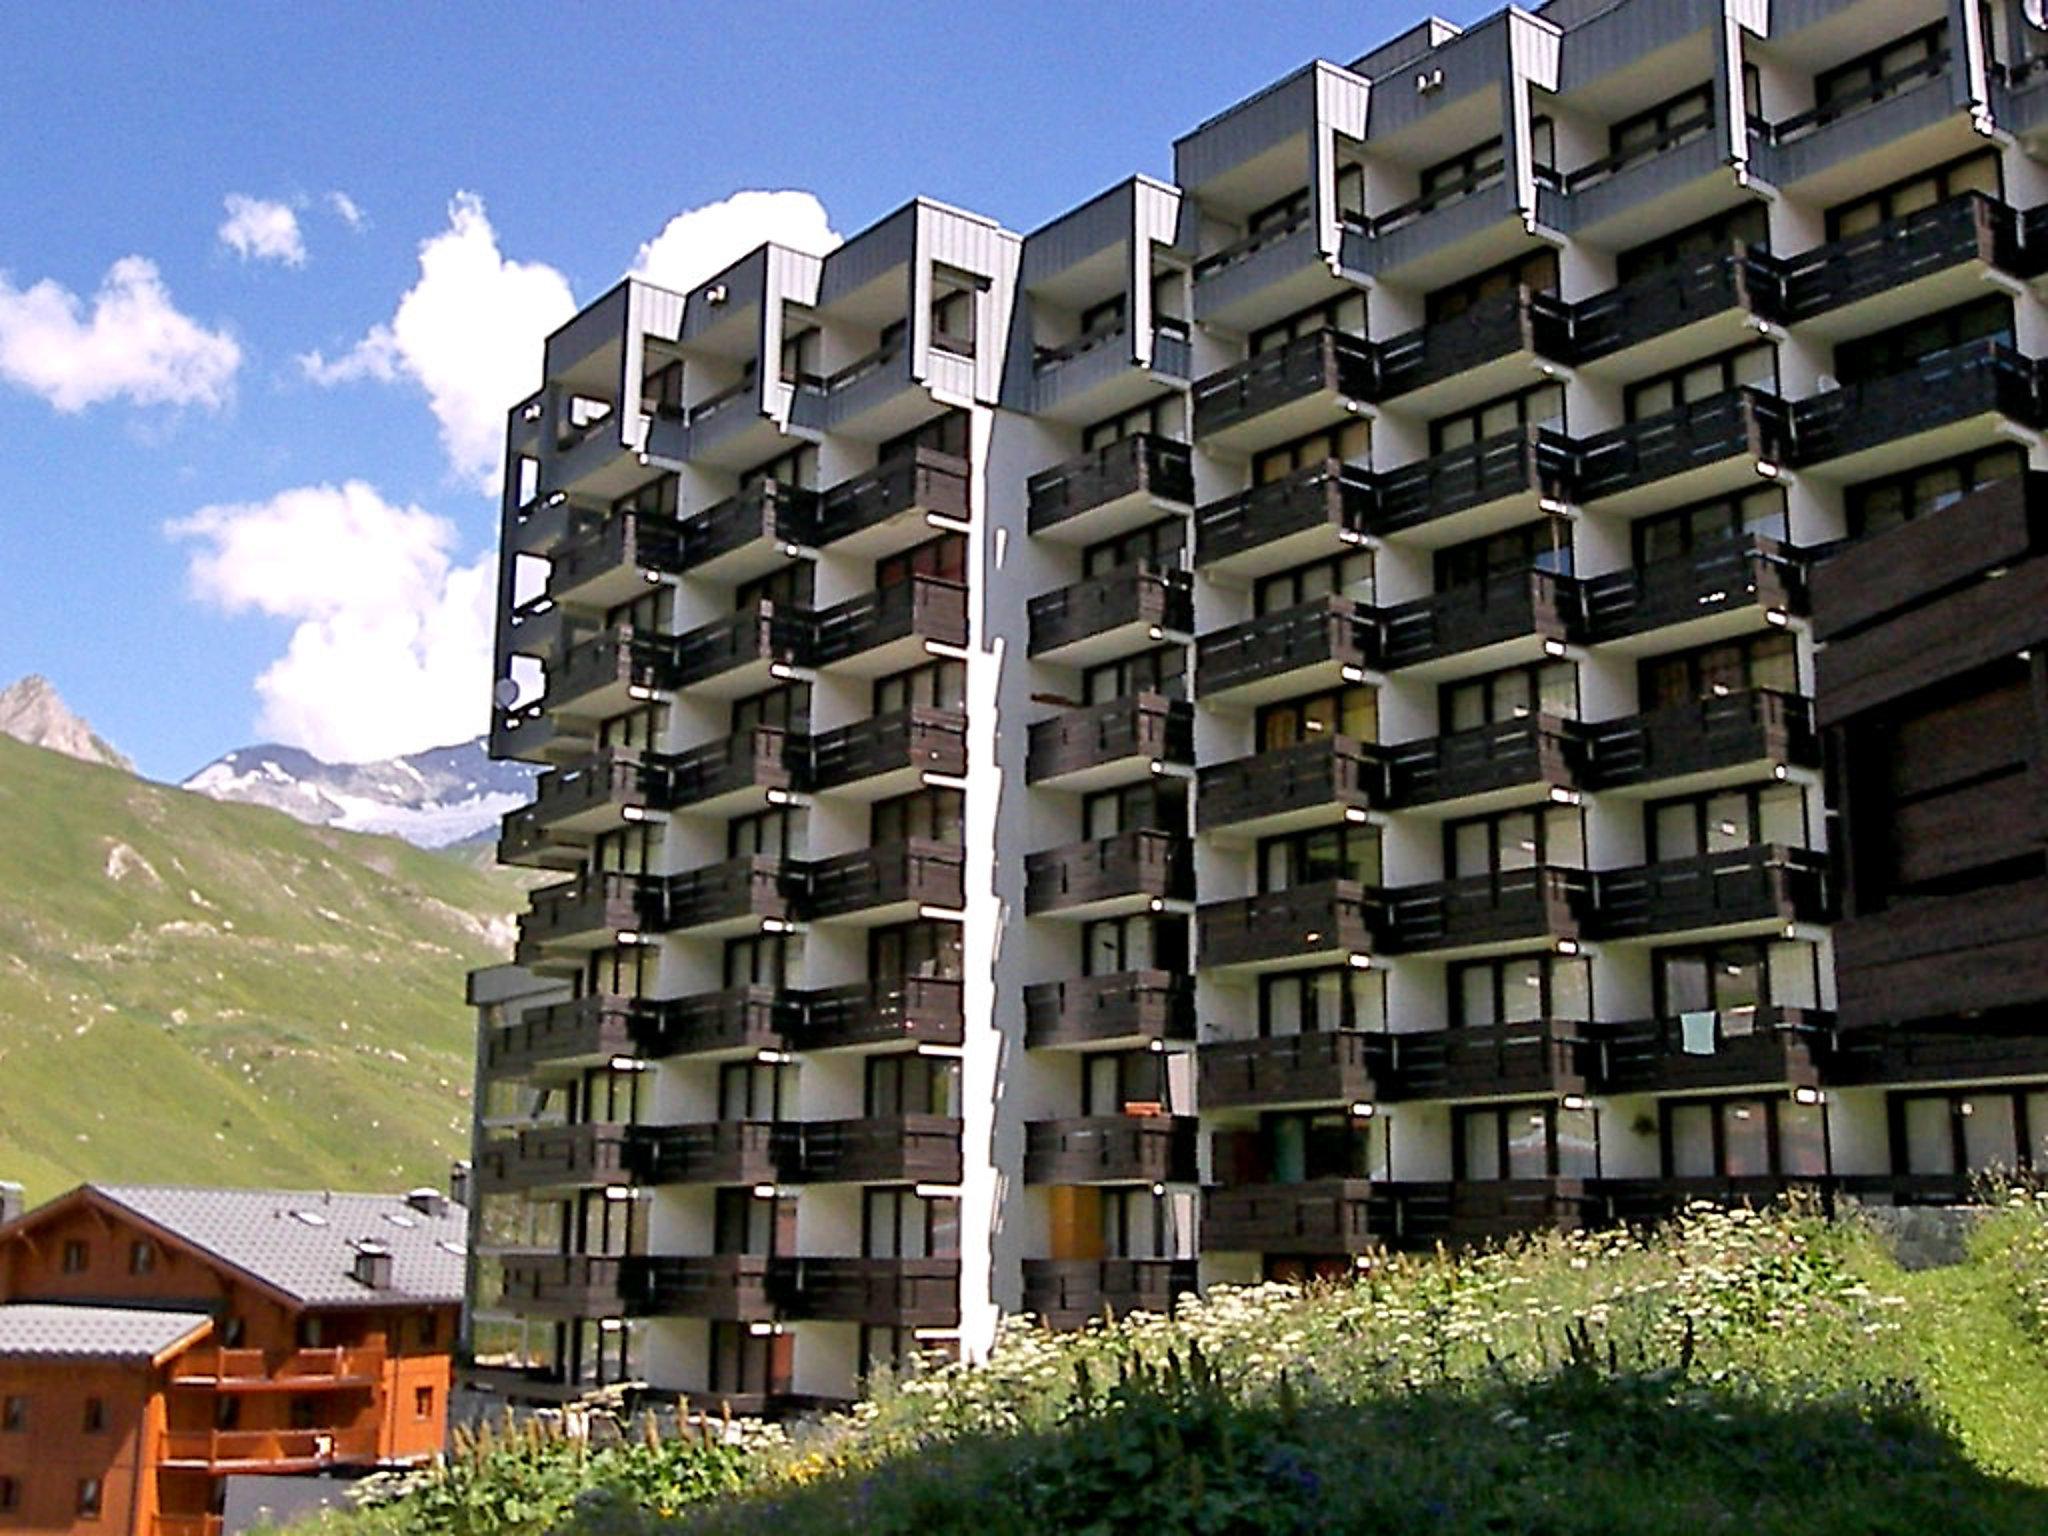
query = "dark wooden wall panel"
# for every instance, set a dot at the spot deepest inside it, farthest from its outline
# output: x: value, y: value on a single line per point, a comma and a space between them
x: 1942, y: 956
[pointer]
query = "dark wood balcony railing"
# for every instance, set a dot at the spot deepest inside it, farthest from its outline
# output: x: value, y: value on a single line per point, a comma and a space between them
x: 1757, y: 1045
x: 714, y: 1152
x: 594, y: 1027
x: 765, y: 511
x: 1480, y: 1211
x: 1540, y: 1057
x: 1335, y: 1066
x: 919, y: 1010
x: 1146, y: 726
x: 592, y: 904
x: 1326, y: 361
x: 1502, y: 907
x: 1755, y: 726
x: 1520, y: 320
x: 1515, y: 605
x: 921, y: 737
x: 917, y: 870
x: 921, y: 480
x: 903, y: 1149
x: 928, y: 607
x: 1143, y: 463
x: 1671, y: 298
x: 1327, y: 494
x: 753, y: 1018
x: 757, y: 885
x: 623, y: 541
x: 1147, y: 863
x: 1068, y: 1293
x: 1535, y: 750
x: 1140, y: 593
x: 1321, y: 1216
x: 1327, y: 916
x: 1111, y: 1149
x: 730, y: 1287
x: 1325, y: 631
x: 1739, y: 573
x: 620, y: 658
x: 761, y: 633
x: 611, y: 776
x: 1527, y: 461
x: 1329, y: 772
x: 565, y: 1284
x: 546, y: 1156
x: 1766, y: 883
x: 1952, y: 385
x: 1736, y: 424
x: 882, y: 1293
x: 1973, y: 227
x: 765, y: 757
x: 1089, y: 1010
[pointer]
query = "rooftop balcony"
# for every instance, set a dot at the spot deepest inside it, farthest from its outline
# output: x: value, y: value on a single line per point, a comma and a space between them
x: 715, y: 1152
x: 734, y: 774
x: 1324, y: 509
x: 1483, y: 625
x: 555, y: 1157
x: 734, y: 897
x: 1334, y: 1066
x: 1120, y: 741
x: 726, y: 1287
x: 1945, y: 404
x: 1319, y: 644
x: 1700, y: 449
x: 742, y: 652
x: 1136, y: 871
x: 1111, y: 615
x: 1111, y: 1149
x: 1309, y: 382
x: 1704, y: 743
x: 880, y: 1293
x: 888, y: 754
x: 888, y: 883
x: 895, y: 505
x: 1123, y: 484
x: 893, y: 1011
x: 877, y: 633
x: 614, y: 562
x: 586, y: 912
x: 1537, y: 1058
x: 750, y: 534
x: 1071, y: 1293
x: 1749, y: 1047
x: 1696, y: 598
x: 1322, y: 1216
x: 1476, y: 912
x: 1485, y: 768
x: 585, y: 1031
x: 1741, y: 887
x: 1126, y: 1008
x: 1329, y: 779
x: 1491, y: 484
x: 1488, y: 350
x: 901, y: 1149
x: 1324, y: 923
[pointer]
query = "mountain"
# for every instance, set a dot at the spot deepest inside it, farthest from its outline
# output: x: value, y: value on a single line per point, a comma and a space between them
x: 200, y: 992
x: 431, y: 799
x: 32, y: 711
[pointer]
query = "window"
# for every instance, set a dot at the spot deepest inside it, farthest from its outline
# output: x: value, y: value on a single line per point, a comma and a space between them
x: 928, y: 815
x: 1540, y: 405
x: 787, y: 707
x: 1877, y: 505
x: 916, y: 949
x: 1345, y: 313
x: 1676, y: 121
x: 912, y: 1085
x: 1970, y: 1130
x: 1119, y: 1082
x: 13, y: 1414
x: 427, y: 1328
x: 1305, y: 1002
x: 1525, y: 1141
x: 1537, y: 271
x: 1158, y: 418
x: 932, y: 685
x: 95, y: 1416
x: 88, y: 1505
x: 792, y: 586
x: 1488, y: 845
x: 800, y: 355
x: 901, y: 1224
x: 1349, y: 576
x: 798, y: 467
x: 1152, y: 805
x: 1883, y: 71
x: 953, y: 307
x: 1548, y: 688
x: 1734, y: 979
x: 10, y: 1494
x: 743, y: 1222
x: 661, y: 390
x: 946, y: 433
x: 1737, y: 1138
x: 141, y: 1257
x: 1765, y: 660
x: 1162, y: 671
x: 944, y: 557
x: 1349, y: 441
x: 1478, y: 168
x: 1347, y: 852
x: 1904, y: 347
x: 1929, y: 189
x: 1520, y: 989
x: 743, y: 1362
x: 775, y: 833
x: 1711, y: 526
x: 657, y: 498
x: 1112, y: 946
x: 758, y: 960
x: 423, y: 1402
x: 1707, y: 240
x: 1282, y: 213
x: 1544, y: 545
x: 77, y: 1256
x: 1727, y: 819
x: 1352, y: 711
x: 1753, y: 367
x: 1298, y: 1148
x: 754, y: 1090
x: 1162, y: 543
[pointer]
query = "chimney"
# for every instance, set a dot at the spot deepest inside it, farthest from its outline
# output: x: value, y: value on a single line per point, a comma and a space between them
x: 459, y: 1175
x: 372, y: 1266
x: 427, y: 1200
x: 12, y: 1203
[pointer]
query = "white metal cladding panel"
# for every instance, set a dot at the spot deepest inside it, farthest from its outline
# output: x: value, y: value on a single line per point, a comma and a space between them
x: 791, y: 278
x: 1247, y: 130
x: 1472, y: 61
x: 1155, y: 220
x: 744, y: 283
x: 597, y: 325
x: 1630, y: 31
x: 1752, y: 14
x: 650, y: 311
x: 1534, y: 47
x: 969, y: 243
x: 869, y: 254
x: 1343, y: 104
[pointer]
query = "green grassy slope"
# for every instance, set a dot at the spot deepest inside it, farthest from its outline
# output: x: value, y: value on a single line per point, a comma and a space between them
x: 202, y: 992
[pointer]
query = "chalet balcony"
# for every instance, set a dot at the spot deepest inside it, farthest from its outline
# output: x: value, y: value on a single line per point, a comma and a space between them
x: 1722, y: 590
x: 1124, y: 1008
x: 1137, y: 871
x: 901, y: 1149
x: 741, y: 653
x: 1134, y: 480
x: 895, y: 504
x: 1325, y: 509
x: 223, y: 1452
x: 1325, y: 922
x: 1486, y: 766
x: 881, y: 1293
x: 1765, y: 884
x: 1947, y: 403
x: 727, y: 1287
x: 1486, y: 485
x: 1319, y: 1217
x: 749, y: 534
x: 586, y: 912
x: 713, y: 1152
x: 1699, y: 449
x: 1316, y: 645
x: 1071, y: 1293
x: 614, y: 562
x: 609, y: 673
x: 731, y: 1021
x: 1664, y: 317
x: 332, y: 1369
x: 1986, y: 1048
x: 891, y: 882
x: 888, y: 754
x: 735, y: 773
x: 1538, y: 1058
x: 736, y: 896
x: 1120, y: 741
x: 1328, y: 779
x: 1918, y: 264
x: 881, y: 632
x: 556, y: 1157
x: 1111, y: 1149
x: 1734, y: 735
x: 565, y: 1285
x: 906, y: 1010
x: 1334, y: 1066
x: 1755, y: 1046
x: 1482, y: 353
x: 1309, y: 382
x: 595, y: 793
x: 1510, y: 906
x: 1483, y: 625
x: 585, y: 1031
x: 1111, y: 615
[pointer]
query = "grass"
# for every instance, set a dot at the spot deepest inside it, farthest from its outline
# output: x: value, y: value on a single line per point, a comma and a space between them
x: 200, y: 992
x: 1737, y: 1373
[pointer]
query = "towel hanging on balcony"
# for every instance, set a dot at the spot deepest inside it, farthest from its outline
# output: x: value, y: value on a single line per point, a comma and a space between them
x: 1697, y: 1032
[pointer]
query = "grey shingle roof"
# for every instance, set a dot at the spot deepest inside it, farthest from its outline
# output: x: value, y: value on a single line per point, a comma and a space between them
x: 304, y: 1243
x: 58, y: 1332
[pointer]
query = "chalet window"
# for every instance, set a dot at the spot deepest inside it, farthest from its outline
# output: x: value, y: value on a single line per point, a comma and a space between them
x: 1707, y: 240
x: 227, y: 1411
x: 1509, y: 840
x: 944, y: 557
x: 1904, y: 347
x: 1347, y: 852
x: 1148, y: 806
x: 1542, y: 545
x: 933, y: 684
x: 1536, y: 271
x: 1883, y: 71
x: 1929, y: 189
x: 1520, y: 989
x: 1513, y: 693
x: 427, y: 1327
x: 88, y: 1505
x: 786, y: 706
x: 912, y: 1085
x: 929, y: 814
x: 141, y: 1257
x: 1163, y: 543
x: 77, y: 1257
x: 1970, y: 1130
x: 1111, y: 946
x: 915, y: 949
x: 1352, y: 711
x: 1160, y: 418
x: 1728, y: 819
x: 1348, y: 575
x: 1345, y: 313
x: 1161, y: 671
x: 1744, y: 1137
x: 10, y: 1494
x: 1765, y: 660
x: 1876, y: 505
x: 1711, y: 524
x: 1540, y: 405
x: 1525, y: 1141
x: 13, y: 1414
x: 423, y: 1402
x: 1754, y: 367
x: 95, y: 1416
x: 1349, y: 440
x: 755, y: 1090
x: 1305, y: 1002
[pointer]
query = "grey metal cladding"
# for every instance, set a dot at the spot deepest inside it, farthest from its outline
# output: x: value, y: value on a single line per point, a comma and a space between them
x: 875, y: 251
x: 55, y: 1331
x: 745, y: 283
x: 1106, y: 219
x: 595, y: 326
x: 1472, y: 61
x: 1625, y: 34
x: 1247, y: 130
x: 1884, y: 122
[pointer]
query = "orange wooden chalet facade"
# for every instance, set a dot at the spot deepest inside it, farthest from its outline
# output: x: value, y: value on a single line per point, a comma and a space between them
x: 155, y: 1342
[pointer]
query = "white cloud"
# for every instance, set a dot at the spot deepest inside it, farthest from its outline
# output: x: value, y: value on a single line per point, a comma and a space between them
x: 701, y: 242
x: 134, y: 343
x: 392, y: 649
x: 258, y: 230
x: 347, y: 209
x: 469, y: 333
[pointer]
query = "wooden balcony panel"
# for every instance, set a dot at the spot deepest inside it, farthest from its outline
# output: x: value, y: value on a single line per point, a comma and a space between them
x: 1111, y: 1149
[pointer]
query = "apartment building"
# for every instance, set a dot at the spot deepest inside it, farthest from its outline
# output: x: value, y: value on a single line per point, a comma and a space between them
x: 1275, y: 716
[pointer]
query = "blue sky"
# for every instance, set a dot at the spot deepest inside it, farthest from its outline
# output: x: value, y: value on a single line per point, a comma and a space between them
x: 336, y: 534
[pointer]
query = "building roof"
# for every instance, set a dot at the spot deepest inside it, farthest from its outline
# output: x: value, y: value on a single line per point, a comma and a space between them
x: 31, y: 1330
x: 304, y: 1244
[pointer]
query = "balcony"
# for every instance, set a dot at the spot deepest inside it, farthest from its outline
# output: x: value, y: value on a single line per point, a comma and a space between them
x: 1319, y: 924
x: 538, y: 525
x: 737, y: 896
x: 1621, y: 199
x: 889, y: 883
x: 1319, y: 1217
x: 610, y: 673
x: 1462, y: 227
x: 881, y: 1293
x: 1924, y: 262
x: 220, y: 1452
x: 1124, y: 610
x: 907, y: 1010
x: 895, y: 504
x: 1898, y: 123
x: 741, y: 653
x: 1126, y: 1008
x: 1514, y: 617
x: 732, y: 1021
x: 585, y: 1031
x: 614, y: 562
x: 596, y: 793
x: 750, y: 534
x: 1696, y: 451
x: 1767, y: 884
x: 1538, y: 1058
x: 1643, y: 1201
x: 1984, y: 1048
x: 1665, y: 317
x: 524, y: 843
x: 903, y: 1149
x: 1272, y: 271
x: 734, y: 774
x: 1111, y: 1149
x: 565, y: 1285
x: 1490, y: 1211
x: 294, y: 1370
x: 1097, y: 376
x: 1749, y: 1047
x: 555, y: 1157
x: 1120, y: 741
x: 889, y: 754
x: 1071, y: 1293
x: 585, y: 913
x: 1494, y: 483
x: 1487, y: 767
x: 877, y: 633
x: 1704, y: 743
x: 727, y: 1287
x: 1696, y: 598
x: 1137, y: 871
x: 1508, y: 907
x: 1324, y: 509
x: 1309, y: 382
x: 1947, y: 403
x: 873, y: 397
x: 1132, y: 481
x: 1483, y: 353
x: 1336, y: 1066
x: 715, y: 1152
x: 1329, y: 779
x: 1316, y: 645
